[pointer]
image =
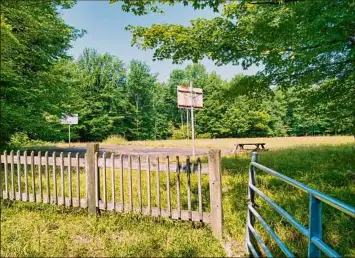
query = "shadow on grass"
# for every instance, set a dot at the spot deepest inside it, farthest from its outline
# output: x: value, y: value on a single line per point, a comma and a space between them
x: 329, y: 169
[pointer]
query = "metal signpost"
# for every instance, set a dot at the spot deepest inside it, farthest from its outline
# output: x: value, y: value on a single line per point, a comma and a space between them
x: 70, y: 119
x: 190, y: 98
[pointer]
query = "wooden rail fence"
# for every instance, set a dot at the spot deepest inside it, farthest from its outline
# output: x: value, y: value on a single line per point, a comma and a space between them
x: 171, y: 187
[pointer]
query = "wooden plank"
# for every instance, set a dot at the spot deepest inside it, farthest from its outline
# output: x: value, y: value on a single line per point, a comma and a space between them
x: 92, y: 183
x: 46, y: 200
x: 6, y: 176
x: 12, y: 174
x: 19, y: 175
x: 97, y: 181
x: 199, y: 189
x: 26, y: 176
x: 40, y: 177
x: 130, y: 184
x: 70, y: 190
x: 148, y: 185
x: 250, y: 143
x: 33, y: 176
x: 168, y: 185
x: 46, y: 167
x: 62, y: 177
x: 104, y: 179
x: 113, y: 179
x: 86, y: 180
x: 139, y: 185
x: 178, y: 198
x: 121, y: 182
x: 162, y: 166
x: 188, y: 167
x: 195, y: 216
x: 77, y: 179
x: 214, y: 161
x: 158, y: 186
x: 55, y: 192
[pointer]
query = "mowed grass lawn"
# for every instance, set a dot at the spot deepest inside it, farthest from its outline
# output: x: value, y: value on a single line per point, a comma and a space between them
x: 43, y: 230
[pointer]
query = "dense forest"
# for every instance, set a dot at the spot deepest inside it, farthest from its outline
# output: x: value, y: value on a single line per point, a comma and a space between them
x: 40, y: 82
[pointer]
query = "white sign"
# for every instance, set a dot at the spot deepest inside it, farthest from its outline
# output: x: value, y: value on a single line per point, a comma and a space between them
x: 71, y: 119
x: 185, y: 98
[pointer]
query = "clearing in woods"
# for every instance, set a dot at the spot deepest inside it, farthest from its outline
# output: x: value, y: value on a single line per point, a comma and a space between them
x: 42, y: 230
x: 183, y: 147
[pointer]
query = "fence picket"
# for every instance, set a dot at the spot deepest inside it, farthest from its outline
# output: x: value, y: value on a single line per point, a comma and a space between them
x: 104, y: 179
x: 130, y: 184
x: 6, y: 176
x: 122, y: 183
x: 178, y: 198
x: 148, y: 186
x: 55, y: 192
x: 158, y: 187
x: 62, y: 177
x: 97, y: 180
x: 40, y: 176
x: 199, y: 168
x: 26, y: 176
x: 19, y: 176
x: 47, y: 176
x: 70, y: 180
x: 168, y: 185
x: 33, y: 176
x: 77, y: 178
x: 86, y: 180
x: 188, y: 171
x: 12, y: 175
x: 139, y: 185
x: 113, y: 180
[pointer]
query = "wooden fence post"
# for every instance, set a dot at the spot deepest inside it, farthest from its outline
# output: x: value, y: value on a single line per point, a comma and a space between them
x: 214, y: 168
x: 91, y: 149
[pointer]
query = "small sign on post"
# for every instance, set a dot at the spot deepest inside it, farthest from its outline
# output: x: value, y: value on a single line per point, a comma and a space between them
x: 192, y: 98
x: 69, y: 119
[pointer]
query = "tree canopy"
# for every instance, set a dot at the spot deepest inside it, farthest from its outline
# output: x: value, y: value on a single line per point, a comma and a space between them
x: 34, y: 44
x: 298, y: 42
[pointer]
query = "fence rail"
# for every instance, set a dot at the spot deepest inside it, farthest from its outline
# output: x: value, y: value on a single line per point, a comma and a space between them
x: 313, y: 233
x: 153, y: 164
x: 171, y: 187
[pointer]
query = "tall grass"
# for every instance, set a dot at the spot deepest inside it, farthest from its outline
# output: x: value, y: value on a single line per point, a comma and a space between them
x: 44, y: 230
x: 330, y: 169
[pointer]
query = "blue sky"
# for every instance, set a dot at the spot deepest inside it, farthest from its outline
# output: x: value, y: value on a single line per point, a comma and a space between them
x: 105, y: 25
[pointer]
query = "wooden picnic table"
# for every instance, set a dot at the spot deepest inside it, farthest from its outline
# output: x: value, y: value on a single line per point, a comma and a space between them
x: 240, y: 146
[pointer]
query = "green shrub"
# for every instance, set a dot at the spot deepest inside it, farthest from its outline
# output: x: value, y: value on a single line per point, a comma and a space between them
x: 21, y: 139
x: 115, y: 139
x: 179, y: 133
x: 204, y: 136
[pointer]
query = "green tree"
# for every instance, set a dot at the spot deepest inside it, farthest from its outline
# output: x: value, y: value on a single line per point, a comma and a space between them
x: 140, y: 89
x: 298, y: 42
x: 34, y: 44
x: 101, y: 100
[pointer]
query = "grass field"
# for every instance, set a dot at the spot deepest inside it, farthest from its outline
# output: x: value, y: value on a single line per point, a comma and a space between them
x: 43, y: 230
x: 330, y: 169
x: 228, y: 143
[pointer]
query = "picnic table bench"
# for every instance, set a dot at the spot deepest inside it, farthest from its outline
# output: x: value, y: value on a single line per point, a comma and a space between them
x: 240, y: 146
